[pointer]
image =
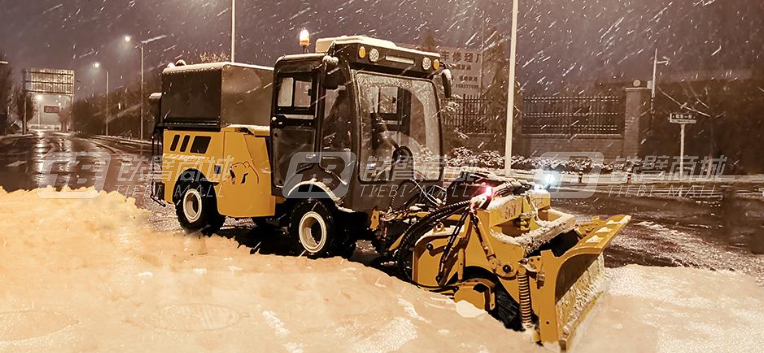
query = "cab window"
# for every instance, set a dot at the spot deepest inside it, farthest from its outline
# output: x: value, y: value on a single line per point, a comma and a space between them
x: 338, y: 117
x: 295, y: 94
x: 302, y: 89
x: 286, y: 92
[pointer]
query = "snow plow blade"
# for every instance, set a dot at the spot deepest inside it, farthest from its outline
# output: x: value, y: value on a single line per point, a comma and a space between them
x: 566, y: 286
x: 532, y: 267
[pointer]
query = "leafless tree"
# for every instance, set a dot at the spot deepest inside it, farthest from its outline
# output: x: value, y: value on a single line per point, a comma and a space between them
x: 19, y: 96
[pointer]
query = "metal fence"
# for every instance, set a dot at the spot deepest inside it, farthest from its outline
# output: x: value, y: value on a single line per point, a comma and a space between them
x: 595, y: 115
x: 469, y: 115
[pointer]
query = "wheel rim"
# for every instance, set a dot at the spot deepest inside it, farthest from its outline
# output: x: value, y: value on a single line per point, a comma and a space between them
x: 192, y: 205
x: 312, y: 232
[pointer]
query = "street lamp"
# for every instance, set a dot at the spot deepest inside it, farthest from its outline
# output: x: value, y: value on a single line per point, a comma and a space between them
x: 653, y: 84
x: 233, y: 30
x: 141, y: 46
x: 97, y: 65
x: 511, y: 92
x: 128, y: 39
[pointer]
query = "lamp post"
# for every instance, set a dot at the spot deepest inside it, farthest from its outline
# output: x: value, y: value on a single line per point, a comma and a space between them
x: 511, y: 92
x: 653, y: 85
x: 233, y: 30
x: 97, y: 65
x: 128, y: 39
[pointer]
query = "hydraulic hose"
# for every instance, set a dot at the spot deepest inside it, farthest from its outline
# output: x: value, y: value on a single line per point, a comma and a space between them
x: 418, y: 229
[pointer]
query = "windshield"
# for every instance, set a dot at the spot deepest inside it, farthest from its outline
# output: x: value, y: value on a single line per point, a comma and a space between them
x: 399, y: 126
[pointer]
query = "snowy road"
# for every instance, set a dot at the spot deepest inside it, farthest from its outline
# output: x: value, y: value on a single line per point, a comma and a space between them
x: 717, y: 235
x: 107, y: 275
x: 22, y: 163
x: 725, y: 234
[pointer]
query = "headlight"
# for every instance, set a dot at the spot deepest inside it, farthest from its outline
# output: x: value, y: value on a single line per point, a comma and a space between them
x: 374, y: 55
x: 362, y: 52
x: 426, y: 63
x: 549, y: 179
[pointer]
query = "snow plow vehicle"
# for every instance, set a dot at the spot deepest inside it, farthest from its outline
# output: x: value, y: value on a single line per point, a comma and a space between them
x: 345, y: 144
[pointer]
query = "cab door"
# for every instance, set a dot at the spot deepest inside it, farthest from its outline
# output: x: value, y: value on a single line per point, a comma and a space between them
x: 293, y: 124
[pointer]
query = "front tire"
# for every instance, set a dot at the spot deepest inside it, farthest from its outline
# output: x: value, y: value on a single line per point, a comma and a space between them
x: 196, y: 208
x: 311, y: 225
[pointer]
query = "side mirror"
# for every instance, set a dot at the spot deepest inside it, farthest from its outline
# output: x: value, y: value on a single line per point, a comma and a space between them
x: 330, y: 72
x: 448, y: 81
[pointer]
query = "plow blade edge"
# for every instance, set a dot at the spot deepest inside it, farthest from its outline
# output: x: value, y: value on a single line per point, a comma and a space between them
x: 567, y: 284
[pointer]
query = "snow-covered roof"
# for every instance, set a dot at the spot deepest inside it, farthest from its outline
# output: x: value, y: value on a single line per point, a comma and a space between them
x: 212, y: 66
x: 323, y: 44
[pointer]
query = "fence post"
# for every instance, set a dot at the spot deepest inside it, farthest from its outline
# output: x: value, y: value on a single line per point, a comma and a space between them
x: 636, y: 120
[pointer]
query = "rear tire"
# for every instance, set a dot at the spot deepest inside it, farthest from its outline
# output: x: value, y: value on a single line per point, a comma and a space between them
x: 196, y: 207
x: 312, y: 227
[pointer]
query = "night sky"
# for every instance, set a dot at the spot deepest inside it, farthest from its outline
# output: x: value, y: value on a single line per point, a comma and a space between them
x: 560, y: 40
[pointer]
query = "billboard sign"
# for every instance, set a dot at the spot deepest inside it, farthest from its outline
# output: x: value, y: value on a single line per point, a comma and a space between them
x: 465, y: 65
x: 52, y: 109
x: 682, y: 118
x: 49, y: 81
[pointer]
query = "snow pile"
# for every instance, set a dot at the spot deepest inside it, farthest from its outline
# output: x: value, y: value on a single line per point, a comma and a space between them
x: 90, y: 275
x: 675, y: 309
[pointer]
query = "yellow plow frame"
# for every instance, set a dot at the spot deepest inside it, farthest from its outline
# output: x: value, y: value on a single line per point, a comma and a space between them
x: 551, y: 266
